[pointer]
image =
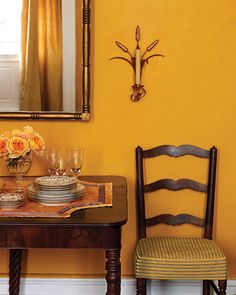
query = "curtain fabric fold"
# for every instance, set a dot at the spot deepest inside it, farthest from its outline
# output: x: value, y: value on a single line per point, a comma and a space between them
x: 41, y: 59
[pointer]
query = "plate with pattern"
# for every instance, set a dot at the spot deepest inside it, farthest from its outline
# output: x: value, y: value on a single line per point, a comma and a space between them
x: 57, y: 183
x: 11, y: 200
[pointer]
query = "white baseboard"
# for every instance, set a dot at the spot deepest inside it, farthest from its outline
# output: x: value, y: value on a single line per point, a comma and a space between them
x: 65, y: 286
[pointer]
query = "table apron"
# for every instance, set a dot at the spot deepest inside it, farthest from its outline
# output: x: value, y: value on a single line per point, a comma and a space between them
x: 107, y: 237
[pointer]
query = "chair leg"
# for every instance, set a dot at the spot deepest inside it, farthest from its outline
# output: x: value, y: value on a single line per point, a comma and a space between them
x: 206, y: 288
x: 141, y: 288
x: 222, y: 286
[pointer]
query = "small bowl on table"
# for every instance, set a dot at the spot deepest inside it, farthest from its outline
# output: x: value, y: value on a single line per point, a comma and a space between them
x: 9, y: 201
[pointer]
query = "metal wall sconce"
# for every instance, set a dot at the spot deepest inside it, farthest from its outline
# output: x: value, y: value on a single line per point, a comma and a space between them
x: 137, y: 62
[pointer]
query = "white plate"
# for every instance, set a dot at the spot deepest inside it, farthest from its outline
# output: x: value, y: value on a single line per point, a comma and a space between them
x: 56, y: 198
x: 55, y: 181
x: 62, y: 192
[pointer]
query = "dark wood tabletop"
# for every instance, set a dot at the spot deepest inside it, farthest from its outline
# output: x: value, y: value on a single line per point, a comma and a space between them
x: 86, y: 228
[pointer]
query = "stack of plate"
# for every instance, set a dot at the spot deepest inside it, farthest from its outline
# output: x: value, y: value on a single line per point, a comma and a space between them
x: 55, y: 190
x: 11, y: 200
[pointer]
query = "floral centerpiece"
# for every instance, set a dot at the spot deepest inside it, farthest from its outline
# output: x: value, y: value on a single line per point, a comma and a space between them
x: 20, y: 143
x: 17, y: 148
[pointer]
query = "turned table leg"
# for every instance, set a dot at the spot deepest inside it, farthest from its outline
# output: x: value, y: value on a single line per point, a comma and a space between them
x: 113, y: 271
x: 15, y: 271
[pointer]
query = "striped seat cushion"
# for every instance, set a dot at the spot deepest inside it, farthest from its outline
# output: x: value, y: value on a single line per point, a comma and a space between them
x: 179, y: 258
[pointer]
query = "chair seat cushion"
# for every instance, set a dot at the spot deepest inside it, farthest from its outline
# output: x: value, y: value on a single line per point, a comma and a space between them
x: 179, y: 258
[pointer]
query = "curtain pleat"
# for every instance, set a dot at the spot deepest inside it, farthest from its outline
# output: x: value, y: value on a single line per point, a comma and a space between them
x: 41, y: 60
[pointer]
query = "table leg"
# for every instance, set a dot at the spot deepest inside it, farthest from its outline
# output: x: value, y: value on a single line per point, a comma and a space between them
x: 15, y: 271
x: 113, y: 271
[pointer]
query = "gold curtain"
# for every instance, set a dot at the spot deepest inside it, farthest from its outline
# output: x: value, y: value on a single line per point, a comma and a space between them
x: 41, y: 60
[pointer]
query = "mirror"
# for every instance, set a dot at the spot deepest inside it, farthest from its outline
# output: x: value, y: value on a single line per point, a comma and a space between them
x: 82, y: 109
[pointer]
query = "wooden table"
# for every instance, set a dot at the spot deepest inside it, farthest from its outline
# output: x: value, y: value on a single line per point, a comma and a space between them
x: 89, y: 228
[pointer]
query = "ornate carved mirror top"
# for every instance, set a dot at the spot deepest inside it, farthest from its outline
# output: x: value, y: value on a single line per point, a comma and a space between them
x: 48, y: 88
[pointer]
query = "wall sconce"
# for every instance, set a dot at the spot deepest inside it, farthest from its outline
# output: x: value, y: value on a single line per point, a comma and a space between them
x: 137, y: 62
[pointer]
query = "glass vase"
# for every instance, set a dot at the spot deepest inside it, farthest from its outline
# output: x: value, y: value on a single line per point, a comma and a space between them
x: 19, y: 167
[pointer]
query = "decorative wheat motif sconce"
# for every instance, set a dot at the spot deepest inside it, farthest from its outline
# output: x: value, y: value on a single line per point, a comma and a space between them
x: 137, y: 62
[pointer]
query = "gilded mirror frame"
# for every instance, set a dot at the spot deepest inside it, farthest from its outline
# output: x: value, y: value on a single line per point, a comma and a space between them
x: 84, y: 115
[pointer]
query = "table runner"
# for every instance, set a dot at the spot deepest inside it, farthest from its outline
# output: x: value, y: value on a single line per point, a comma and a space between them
x: 96, y: 195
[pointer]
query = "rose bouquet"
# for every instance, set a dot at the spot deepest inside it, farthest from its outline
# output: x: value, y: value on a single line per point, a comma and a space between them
x: 17, y: 148
x: 20, y: 143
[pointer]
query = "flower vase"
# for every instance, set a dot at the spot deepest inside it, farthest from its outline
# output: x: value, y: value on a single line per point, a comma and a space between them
x: 19, y: 167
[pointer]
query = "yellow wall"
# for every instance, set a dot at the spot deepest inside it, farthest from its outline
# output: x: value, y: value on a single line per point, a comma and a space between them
x: 190, y: 98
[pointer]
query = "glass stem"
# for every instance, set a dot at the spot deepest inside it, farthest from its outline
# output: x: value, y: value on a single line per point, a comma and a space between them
x: 19, y: 181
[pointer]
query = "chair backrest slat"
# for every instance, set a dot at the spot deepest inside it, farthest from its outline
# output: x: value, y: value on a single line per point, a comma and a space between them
x: 175, y: 185
x: 178, y: 151
x: 142, y: 188
x: 175, y: 219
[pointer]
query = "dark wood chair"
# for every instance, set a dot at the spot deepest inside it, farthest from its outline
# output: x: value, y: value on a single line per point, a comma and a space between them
x: 173, y: 258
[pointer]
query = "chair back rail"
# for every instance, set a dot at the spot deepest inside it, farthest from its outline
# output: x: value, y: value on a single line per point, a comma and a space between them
x: 174, y: 185
x: 178, y: 151
x: 175, y: 219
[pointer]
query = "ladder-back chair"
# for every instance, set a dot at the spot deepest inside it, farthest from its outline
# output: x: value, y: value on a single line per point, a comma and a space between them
x: 173, y: 258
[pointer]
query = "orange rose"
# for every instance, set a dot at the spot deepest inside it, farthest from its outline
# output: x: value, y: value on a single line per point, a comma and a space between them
x: 3, y: 146
x: 17, y: 146
x: 20, y: 133
x: 36, y: 142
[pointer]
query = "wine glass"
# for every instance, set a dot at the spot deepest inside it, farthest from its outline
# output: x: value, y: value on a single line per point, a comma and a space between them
x: 75, y: 160
x: 51, y: 156
x: 62, y: 163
